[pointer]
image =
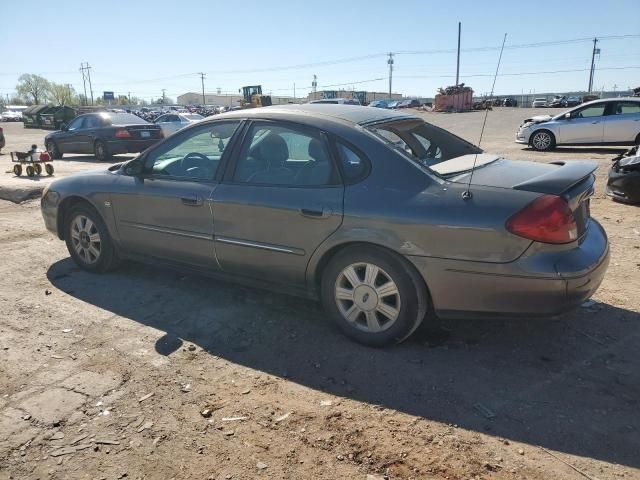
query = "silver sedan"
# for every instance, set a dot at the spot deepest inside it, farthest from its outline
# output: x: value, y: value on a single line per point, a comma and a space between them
x: 172, y: 122
x: 614, y: 121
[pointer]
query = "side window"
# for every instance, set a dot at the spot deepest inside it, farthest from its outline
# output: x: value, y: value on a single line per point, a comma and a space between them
x: 92, y: 122
x: 161, y: 119
x: 278, y: 155
x: 592, y: 111
x: 76, y: 124
x: 195, y: 154
x: 354, y: 166
x: 627, y: 108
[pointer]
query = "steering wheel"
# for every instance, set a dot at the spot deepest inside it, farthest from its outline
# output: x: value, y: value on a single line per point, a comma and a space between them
x: 191, y: 160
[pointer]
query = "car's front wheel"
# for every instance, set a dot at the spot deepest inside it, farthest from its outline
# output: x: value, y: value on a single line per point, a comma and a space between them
x: 543, y: 140
x: 88, y: 240
x: 373, y: 296
x: 54, y: 151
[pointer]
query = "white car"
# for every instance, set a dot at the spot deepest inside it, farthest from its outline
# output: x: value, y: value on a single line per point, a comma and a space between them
x: 539, y: 102
x: 339, y: 101
x: 172, y: 122
x: 11, y: 116
x: 614, y: 121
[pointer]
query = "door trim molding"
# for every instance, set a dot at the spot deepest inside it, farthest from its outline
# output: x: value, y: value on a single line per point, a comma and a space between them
x: 259, y: 245
x: 180, y: 233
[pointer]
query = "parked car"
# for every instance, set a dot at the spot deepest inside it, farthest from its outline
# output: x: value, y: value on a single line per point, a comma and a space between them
x: 103, y: 134
x: 366, y: 209
x: 539, y: 103
x: 409, y: 103
x: 614, y: 121
x: 573, y: 101
x: 510, y: 102
x: 172, y: 122
x: 379, y: 104
x: 394, y: 104
x: 623, y: 184
x: 338, y: 101
x: 11, y: 116
x: 558, y: 102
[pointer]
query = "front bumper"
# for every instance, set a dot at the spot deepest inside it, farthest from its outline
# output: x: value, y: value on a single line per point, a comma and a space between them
x: 539, y: 283
x: 49, y: 210
x: 624, y: 186
x: 522, y: 135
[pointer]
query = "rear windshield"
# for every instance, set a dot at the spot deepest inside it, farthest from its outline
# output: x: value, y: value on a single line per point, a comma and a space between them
x: 422, y: 142
x: 125, y: 119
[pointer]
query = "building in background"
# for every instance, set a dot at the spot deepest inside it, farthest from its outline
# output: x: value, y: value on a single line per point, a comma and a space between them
x: 226, y: 100
x: 364, y: 96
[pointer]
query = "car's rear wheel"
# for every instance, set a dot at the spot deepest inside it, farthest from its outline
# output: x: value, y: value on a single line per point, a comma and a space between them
x: 543, y: 140
x: 100, y: 151
x: 373, y: 296
x: 88, y: 240
x: 54, y: 151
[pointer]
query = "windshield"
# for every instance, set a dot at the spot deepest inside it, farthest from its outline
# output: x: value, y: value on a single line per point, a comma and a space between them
x: 125, y: 119
x: 422, y: 142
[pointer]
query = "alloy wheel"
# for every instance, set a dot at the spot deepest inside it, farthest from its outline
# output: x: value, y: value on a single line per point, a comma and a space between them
x: 542, y: 141
x: 85, y: 239
x: 367, y: 297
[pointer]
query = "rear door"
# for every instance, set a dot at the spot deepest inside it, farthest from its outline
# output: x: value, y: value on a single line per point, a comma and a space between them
x: 279, y: 200
x: 622, y: 124
x: 586, y: 125
x: 166, y: 212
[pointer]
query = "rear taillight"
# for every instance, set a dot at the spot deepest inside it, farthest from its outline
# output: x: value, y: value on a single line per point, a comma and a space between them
x: 122, y: 133
x: 547, y: 219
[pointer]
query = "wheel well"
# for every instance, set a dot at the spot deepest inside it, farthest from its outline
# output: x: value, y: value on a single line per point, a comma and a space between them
x: 329, y: 254
x: 66, y: 205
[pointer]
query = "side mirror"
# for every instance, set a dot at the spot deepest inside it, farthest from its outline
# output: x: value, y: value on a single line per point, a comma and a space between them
x: 64, y: 127
x: 134, y: 167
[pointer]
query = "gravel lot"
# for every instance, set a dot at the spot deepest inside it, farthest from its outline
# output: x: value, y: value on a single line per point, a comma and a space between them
x: 153, y: 374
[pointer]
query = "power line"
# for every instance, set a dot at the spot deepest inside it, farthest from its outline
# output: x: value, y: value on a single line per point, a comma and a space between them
x: 519, y: 73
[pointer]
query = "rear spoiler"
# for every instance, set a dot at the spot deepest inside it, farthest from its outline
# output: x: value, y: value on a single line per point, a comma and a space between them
x: 561, y: 179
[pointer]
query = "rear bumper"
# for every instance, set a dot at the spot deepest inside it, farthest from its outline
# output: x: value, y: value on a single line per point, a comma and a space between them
x: 543, y: 283
x: 130, y: 146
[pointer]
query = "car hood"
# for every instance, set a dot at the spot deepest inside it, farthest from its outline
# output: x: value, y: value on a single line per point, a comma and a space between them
x: 537, y: 119
x: 552, y: 178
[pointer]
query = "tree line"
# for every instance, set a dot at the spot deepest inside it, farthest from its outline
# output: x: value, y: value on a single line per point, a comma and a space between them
x: 36, y: 90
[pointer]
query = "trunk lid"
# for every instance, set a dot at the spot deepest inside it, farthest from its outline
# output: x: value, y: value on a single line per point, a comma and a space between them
x: 144, y: 132
x: 573, y: 180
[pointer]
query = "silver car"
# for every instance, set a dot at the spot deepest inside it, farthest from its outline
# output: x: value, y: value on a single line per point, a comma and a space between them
x: 614, y: 121
x: 172, y: 122
x: 372, y: 211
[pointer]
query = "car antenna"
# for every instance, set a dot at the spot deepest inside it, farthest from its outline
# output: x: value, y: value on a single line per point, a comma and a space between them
x: 466, y: 195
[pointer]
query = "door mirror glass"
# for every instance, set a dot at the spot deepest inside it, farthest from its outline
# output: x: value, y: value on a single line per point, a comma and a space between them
x: 134, y: 168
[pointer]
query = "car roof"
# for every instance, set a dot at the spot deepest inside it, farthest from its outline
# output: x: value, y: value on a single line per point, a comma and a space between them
x: 354, y: 114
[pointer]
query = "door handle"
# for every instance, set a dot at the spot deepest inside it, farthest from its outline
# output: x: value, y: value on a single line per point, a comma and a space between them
x: 313, y: 213
x: 597, y: 121
x: 194, y: 201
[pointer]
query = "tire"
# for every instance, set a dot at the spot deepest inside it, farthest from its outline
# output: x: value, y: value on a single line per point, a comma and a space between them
x: 38, y: 168
x: 543, y: 141
x: 54, y: 151
x: 90, y: 252
x: 17, y: 170
x: 100, y: 151
x: 30, y: 171
x: 376, y: 321
x: 48, y: 168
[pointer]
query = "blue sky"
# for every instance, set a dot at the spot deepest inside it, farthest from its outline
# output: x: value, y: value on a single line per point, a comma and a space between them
x: 143, y: 46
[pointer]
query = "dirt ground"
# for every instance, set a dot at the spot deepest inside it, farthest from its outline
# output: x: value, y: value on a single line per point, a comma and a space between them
x: 152, y: 374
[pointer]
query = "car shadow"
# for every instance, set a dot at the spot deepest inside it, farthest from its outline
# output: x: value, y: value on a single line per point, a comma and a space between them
x: 570, y: 384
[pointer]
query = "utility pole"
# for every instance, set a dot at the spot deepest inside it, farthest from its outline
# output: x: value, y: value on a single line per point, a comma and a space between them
x: 294, y: 92
x: 86, y: 77
x: 458, y: 62
x: 164, y: 97
x: 84, y: 82
x: 593, y: 63
x: 390, y: 62
x: 314, y: 86
x: 202, y: 75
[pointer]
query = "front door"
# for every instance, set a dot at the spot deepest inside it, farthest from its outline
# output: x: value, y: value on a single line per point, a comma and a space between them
x: 73, y: 139
x: 586, y: 125
x: 166, y: 212
x: 279, y: 201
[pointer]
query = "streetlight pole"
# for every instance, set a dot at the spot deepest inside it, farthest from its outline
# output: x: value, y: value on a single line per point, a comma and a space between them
x: 390, y: 62
x: 202, y: 75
